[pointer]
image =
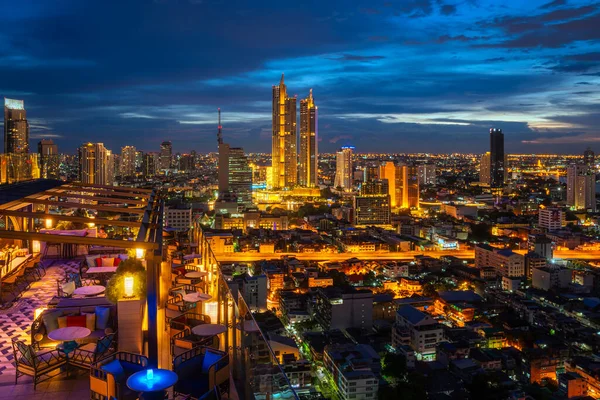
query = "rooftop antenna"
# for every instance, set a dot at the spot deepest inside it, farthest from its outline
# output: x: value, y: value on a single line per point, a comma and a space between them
x: 219, y: 132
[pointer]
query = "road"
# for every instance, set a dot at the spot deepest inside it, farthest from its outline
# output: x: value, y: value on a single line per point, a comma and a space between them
x: 380, y: 256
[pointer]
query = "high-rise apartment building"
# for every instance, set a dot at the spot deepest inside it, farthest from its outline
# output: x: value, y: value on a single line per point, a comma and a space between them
x: 309, y: 154
x: 16, y: 127
x: 552, y: 219
x: 497, y: 159
x: 375, y: 187
x: 128, y: 157
x: 427, y: 174
x: 166, y: 155
x: 49, y: 159
x: 372, y: 209
x: 344, y: 168
x: 370, y: 173
x: 581, y: 187
x: 589, y: 158
x: 411, y: 193
x: 284, y: 157
x: 150, y: 164
x: 96, y: 164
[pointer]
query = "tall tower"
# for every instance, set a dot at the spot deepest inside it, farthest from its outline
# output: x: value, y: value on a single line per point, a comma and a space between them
x: 16, y: 127
x: 589, y: 157
x: 166, y: 155
x: 128, y: 157
x: 284, y: 158
x: 95, y: 164
x: 581, y: 187
x: 484, y: 169
x: 309, y: 163
x: 344, y: 168
x: 496, y: 158
x: 49, y: 159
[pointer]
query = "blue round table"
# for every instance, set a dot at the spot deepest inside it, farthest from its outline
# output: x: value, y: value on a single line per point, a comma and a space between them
x: 154, y: 388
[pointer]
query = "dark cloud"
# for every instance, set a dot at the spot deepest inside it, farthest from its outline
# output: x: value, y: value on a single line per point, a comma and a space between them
x: 355, y: 57
x: 555, y: 3
x: 448, y: 9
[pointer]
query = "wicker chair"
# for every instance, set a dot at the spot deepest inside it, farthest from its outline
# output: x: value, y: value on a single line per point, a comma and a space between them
x: 86, y: 355
x: 108, y: 377
x: 37, y: 364
x: 201, y: 370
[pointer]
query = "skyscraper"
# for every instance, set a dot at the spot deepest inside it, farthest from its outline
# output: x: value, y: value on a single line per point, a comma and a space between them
x: 589, y: 157
x: 284, y: 157
x: 166, y: 155
x: 95, y: 164
x: 427, y: 174
x: 49, y: 159
x: 484, y: 169
x: 581, y: 187
x: 390, y: 172
x: 344, y: 168
x: 150, y: 164
x: 128, y: 158
x: 309, y: 163
x: 16, y: 127
x: 411, y: 186
x: 497, y: 172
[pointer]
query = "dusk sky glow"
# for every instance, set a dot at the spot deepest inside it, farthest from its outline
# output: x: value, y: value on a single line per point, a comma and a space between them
x: 389, y: 76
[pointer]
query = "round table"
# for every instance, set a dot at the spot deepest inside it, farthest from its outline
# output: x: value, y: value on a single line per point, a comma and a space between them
x: 195, y: 297
x: 152, y: 388
x: 68, y: 336
x: 209, y: 329
x: 196, y: 274
x: 92, y: 290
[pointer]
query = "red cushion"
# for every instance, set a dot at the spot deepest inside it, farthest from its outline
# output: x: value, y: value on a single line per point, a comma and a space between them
x: 117, y: 261
x: 76, y: 320
x: 98, y: 262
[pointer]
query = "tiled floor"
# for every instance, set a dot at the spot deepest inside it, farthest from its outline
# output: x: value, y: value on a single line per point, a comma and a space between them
x: 16, y: 321
x: 57, y: 388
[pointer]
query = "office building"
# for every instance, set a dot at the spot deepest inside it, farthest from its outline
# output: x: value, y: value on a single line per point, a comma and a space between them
x: 18, y: 167
x: 391, y: 173
x: 309, y: 141
x: 95, y: 164
x: 128, y: 157
x: 166, y: 155
x: 418, y: 330
x: 581, y: 188
x: 497, y: 159
x: 254, y: 291
x: 551, y: 219
x: 505, y: 262
x: 344, y: 169
x: 403, y: 182
x: 284, y: 157
x: 375, y: 187
x: 589, y: 157
x: 370, y: 173
x: 342, y: 308
x: 427, y: 174
x: 410, y: 187
x: 541, y: 245
x: 49, y: 159
x: 179, y: 218
x: 16, y: 127
x: 234, y: 171
x: 372, y: 209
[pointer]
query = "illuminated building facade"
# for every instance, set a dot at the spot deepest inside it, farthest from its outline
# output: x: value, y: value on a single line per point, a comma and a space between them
x: 309, y: 154
x: 344, y: 168
x: 403, y: 181
x: 589, y: 158
x: 95, y: 164
x: 239, y: 175
x: 372, y: 209
x: 284, y: 157
x: 426, y: 174
x: 150, y: 163
x: 16, y: 127
x: 166, y: 155
x: 497, y: 159
x: 484, y: 169
x: 581, y: 187
x: 49, y: 159
x: 128, y: 156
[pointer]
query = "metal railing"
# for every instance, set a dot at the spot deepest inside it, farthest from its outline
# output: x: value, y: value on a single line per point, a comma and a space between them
x: 255, y: 369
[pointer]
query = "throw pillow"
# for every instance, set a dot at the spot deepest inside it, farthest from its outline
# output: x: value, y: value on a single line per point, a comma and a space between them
x: 98, y: 262
x: 68, y: 288
x: 90, y: 321
x: 102, y: 316
x: 50, y: 320
x: 76, y: 320
x: 210, y: 358
x: 117, y: 262
x: 115, y: 369
x: 62, y: 322
x: 108, y: 262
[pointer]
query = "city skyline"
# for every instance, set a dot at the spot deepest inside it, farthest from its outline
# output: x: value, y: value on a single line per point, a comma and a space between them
x: 433, y: 78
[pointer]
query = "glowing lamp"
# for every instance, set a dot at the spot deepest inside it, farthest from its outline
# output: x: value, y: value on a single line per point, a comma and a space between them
x: 139, y: 253
x: 38, y: 311
x: 149, y: 374
x: 128, y: 283
x: 211, y: 308
x: 36, y: 246
x: 48, y: 223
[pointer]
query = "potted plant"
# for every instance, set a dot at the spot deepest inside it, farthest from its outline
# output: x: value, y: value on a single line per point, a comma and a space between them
x: 127, y: 269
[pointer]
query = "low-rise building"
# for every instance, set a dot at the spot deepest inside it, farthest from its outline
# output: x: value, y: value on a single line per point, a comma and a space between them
x: 422, y: 331
x: 506, y: 262
x: 353, y: 369
x: 342, y: 308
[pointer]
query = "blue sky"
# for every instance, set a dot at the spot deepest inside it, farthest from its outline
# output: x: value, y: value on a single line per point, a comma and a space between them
x: 394, y: 76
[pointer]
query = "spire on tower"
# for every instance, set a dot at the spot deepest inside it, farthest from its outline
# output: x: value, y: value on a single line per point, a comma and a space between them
x: 281, y: 81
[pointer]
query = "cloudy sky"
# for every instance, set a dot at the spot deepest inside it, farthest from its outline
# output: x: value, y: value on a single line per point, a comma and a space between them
x: 397, y: 76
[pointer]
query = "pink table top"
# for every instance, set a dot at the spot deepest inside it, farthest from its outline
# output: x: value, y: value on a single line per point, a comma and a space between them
x: 91, y: 290
x: 69, y: 333
x: 196, y: 296
x: 209, y: 329
x: 101, y: 270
